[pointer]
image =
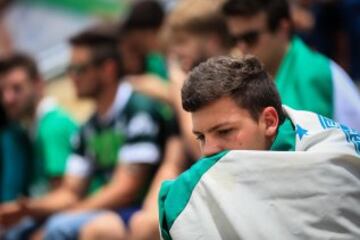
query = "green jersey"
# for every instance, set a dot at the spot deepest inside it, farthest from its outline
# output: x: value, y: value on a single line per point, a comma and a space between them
x: 133, y: 131
x: 51, y: 145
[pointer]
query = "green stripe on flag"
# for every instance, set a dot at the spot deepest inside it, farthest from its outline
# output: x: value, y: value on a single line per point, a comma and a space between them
x: 174, y: 195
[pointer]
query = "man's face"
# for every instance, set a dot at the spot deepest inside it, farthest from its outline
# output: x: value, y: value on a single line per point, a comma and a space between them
x: 18, y: 94
x: 251, y: 36
x: 189, y: 49
x: 84, y: 73
x: 223, y: 125
x: 133, y: 55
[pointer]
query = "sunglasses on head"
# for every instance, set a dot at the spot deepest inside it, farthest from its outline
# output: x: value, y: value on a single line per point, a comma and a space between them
x: 250, y: 38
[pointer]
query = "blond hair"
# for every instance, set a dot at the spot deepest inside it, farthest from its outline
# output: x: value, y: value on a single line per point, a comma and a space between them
x: 196, y: 17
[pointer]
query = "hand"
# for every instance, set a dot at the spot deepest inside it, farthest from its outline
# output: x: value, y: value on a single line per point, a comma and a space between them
x: 12, y: 213
x: 176, y: 74
x: 150, y: 85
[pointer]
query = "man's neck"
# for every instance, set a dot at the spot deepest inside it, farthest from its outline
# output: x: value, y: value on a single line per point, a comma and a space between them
x: 105, y: 100
x: 29, y: 119
x: 274, y: 65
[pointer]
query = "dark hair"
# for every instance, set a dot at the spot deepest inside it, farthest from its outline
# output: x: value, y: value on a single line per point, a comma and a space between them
x: 145, y: 14
x: 275, y: 10
x: 20, y: 60
x: 242, y: 79
x: 102, y: 42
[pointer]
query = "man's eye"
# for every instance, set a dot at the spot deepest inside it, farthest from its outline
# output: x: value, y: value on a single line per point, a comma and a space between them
x: 200, y: 137
x: 224, y: 132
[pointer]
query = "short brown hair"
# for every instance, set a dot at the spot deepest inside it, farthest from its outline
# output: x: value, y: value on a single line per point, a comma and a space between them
x: 20, y: 60
x: 199, y: 17
x: 243, y: 79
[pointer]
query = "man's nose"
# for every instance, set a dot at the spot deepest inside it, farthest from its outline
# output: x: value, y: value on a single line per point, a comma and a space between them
x: 8, y: 97
x: 242, y: 47
x: 210, y: 148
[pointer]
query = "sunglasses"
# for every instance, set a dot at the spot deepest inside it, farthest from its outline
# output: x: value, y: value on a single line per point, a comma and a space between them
x: 78, y: 69
x: 250, y: 38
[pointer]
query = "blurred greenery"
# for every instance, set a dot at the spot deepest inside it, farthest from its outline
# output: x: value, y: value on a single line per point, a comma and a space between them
x: 101, y: 8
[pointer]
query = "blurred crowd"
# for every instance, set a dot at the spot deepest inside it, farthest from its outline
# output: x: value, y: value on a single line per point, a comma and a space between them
x: 60, y: 179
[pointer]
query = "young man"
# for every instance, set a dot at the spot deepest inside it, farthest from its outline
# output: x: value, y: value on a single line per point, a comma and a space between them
x: 255, y: 194
x: 108, y: 226
x: 116, y: 151
x: 49, y: 130
x: 139, y: 39
x: 195, y: 31
x: 15, y: 149
x: 305, y: 79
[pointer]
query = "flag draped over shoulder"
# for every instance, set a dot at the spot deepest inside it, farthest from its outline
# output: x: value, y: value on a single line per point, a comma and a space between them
x: 310, y: 81
x: 312, y: 193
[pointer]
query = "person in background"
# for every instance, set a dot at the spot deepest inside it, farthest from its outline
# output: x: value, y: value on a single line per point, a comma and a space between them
x: 49, y: 130
x: 143, y: 223
x: 139, y: 39
x: 15, y: 151
x: 305, y: 79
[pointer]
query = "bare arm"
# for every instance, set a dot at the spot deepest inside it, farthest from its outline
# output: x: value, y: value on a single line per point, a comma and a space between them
x: 174, y: 163
x: 63, y: 197
x: 152, y: 86
x: 121, y: 190
x: 178, y: 77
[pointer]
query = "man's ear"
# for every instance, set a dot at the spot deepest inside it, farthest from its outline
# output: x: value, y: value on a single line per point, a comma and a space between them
x: 109, y: 69
x: 284, y: 28
x: 269, y: 119
x: 39, y: 84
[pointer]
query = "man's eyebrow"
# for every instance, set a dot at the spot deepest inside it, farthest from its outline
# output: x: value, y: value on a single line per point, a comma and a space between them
x: 214, y: 128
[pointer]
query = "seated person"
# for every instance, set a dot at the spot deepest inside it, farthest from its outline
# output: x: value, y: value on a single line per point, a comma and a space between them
x: 255, y: 194
x: 37, y: 121
x: 305, y: 79
x: 117, y: 150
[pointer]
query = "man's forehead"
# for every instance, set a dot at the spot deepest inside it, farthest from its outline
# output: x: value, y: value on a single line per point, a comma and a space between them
x: 18, y: 73
x: 81, y: 52
x: 220, y: 113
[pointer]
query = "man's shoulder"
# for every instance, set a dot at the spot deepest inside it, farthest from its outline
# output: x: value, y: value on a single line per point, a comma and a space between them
x: 317, y: 64
x: 57, y: 117
x: 56, y: 123
x: 316, y: 132
x: 174, y: 195
x: 141, y: 102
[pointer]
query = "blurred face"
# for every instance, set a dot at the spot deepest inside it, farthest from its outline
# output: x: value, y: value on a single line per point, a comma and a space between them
x: 132, y: 53
x: 223, y: 125
x: 84, y: 74
x: 189, y: 49
x: 252, y: 36
x: 18, y: 94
